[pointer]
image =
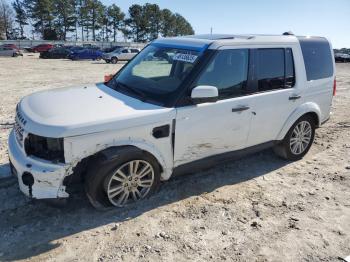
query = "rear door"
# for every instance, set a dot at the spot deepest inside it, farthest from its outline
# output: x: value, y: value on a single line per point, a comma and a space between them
x: 209, y: 129
x: 320, y: 67
x: 124, y: 54
x: 277, y: 93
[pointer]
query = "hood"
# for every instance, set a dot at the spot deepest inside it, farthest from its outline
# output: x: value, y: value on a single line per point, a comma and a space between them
x: 86, y: 109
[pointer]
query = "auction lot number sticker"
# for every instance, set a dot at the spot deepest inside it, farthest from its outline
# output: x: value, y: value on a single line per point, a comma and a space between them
x: 189, y: 58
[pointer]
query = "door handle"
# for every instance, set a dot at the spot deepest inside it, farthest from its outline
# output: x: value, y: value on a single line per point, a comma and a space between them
x: 240, y: 108
x: 294, y: 97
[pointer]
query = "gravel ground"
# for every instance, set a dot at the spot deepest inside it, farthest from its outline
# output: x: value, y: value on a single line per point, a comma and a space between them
x: 259, y: 208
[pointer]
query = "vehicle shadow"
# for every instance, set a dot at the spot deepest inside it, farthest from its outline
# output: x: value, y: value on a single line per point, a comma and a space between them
x: 46, y: 224
x: 5, y: 171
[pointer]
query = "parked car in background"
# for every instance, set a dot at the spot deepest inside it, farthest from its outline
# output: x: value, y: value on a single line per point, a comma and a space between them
x: 124, y: 53
x: 73, y: 49
x: 341, y: 57
x: 40, y: 48
x: 90, y: 46
x: 13, y: 46
x: 84, y: 54
x: 9, y: 51
x: 55, y: 53
x: 111, y: 49
x: 219, y: 97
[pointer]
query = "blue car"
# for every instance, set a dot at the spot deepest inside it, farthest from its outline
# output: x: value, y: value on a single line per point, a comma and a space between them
x: 86, y: 54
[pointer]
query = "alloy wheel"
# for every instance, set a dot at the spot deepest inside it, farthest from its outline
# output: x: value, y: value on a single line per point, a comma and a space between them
x: 130, y: 182
x: 300, y: 138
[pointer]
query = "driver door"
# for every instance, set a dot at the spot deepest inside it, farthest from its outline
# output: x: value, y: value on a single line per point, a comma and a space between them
x: 209, y: 129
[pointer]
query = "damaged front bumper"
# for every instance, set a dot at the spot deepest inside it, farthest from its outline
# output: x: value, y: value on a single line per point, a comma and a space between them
x: 38, y: 179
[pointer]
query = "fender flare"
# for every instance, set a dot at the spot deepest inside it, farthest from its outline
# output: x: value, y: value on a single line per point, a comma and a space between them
x: 112, y: 152
x: 301, y: 110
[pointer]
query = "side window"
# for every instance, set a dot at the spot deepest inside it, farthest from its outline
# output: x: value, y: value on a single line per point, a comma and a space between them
x: 270, y: 69
x: 134, y: 51
x: 290, y: 73
x: 228, y: 71
x: 317, y: 58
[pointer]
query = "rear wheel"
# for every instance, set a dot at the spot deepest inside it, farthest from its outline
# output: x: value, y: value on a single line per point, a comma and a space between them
x: 298, y: 140
x: 114, y: 60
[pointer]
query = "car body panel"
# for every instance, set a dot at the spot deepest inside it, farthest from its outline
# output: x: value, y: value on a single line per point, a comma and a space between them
x: 7, y: 51
x: 86, y: 54
x: 111, y: 110
x: 41, y: 48
x: 123, y: 53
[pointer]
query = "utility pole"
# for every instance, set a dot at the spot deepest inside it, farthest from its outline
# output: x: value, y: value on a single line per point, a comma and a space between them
x: 211, y: 30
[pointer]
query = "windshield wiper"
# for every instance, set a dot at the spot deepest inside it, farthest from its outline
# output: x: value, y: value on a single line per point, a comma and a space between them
x: 137, y: 92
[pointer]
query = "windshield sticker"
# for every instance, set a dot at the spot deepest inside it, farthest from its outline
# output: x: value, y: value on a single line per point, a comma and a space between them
x: 185, y: 57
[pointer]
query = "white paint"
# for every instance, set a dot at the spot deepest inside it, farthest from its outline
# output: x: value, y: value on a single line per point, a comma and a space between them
x: 95, y: 117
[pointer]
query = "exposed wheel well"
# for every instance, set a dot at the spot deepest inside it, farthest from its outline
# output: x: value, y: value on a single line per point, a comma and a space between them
x: 80, y: 170
x: 314, y: 117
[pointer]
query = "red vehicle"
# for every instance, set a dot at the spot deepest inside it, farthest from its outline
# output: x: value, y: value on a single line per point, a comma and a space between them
x: 13, y: 46
x: 41, y: 48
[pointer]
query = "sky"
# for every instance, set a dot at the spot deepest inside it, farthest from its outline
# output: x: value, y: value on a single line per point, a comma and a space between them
x: 330, y: 18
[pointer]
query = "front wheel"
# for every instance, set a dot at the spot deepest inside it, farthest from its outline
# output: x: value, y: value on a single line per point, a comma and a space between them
x: 298, y: 140
x: 114, y: 60
x: 129, y: 178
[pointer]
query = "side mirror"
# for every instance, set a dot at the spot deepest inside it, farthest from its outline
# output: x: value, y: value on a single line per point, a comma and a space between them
x: 108, y: 78
x: 203, y: 94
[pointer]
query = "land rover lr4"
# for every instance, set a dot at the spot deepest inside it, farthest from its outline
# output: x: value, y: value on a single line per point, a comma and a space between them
x: 180, y: 105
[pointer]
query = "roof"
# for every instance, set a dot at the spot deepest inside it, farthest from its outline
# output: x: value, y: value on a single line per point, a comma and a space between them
x: 213, y: 41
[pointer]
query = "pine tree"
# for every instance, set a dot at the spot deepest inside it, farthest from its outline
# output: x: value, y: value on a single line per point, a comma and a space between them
x: 21, y: 16
x: 116, y: 19
x: 65, y: 17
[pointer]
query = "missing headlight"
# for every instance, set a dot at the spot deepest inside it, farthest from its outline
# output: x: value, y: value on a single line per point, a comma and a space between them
x: 45, y: 148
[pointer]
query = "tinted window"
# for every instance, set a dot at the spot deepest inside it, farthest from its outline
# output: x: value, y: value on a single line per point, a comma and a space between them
x: 290, y: 75
x: 317, y: 58
x: 125, y: 51
x: 227, y: 71
x: 270, y: 69
x: 134, y: 50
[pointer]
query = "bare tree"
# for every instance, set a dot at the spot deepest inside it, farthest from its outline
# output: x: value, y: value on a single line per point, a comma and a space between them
x: 6, y: 20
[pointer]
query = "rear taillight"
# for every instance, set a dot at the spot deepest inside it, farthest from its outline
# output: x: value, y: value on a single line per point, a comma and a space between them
x: 334, y: 86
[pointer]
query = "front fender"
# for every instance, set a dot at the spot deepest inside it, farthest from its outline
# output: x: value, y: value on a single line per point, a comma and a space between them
x: 301, y: 110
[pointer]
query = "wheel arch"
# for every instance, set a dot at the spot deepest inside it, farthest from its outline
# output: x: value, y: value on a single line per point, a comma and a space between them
x: 109, y: 153
x: 311, y: 109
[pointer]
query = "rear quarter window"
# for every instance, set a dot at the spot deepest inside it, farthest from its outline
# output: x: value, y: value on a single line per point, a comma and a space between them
x: 317, y: 58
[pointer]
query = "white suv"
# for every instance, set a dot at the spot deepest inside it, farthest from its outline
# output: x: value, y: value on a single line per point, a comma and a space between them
x: 180, y: 105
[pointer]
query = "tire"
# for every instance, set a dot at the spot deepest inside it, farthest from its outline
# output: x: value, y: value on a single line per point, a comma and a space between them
x: 291, y: 147
x: 102, y: 177
x: 107, y: 61
x: 114, y: 60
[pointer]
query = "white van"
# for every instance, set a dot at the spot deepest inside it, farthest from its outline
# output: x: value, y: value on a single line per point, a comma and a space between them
x: 182, y: 104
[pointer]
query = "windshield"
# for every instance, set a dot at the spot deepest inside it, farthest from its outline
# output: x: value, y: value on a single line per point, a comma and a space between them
x: 156, y: 72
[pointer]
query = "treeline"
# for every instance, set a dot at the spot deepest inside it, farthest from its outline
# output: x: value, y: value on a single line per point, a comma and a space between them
x: 88, y: 20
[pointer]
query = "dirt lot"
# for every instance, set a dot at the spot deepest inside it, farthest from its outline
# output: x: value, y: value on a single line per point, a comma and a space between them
x: 259, y: 208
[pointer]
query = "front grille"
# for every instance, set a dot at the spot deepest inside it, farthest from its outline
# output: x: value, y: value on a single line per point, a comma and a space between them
x: 45, y: 148
x: 18, y: 132
x: 18, y: 126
